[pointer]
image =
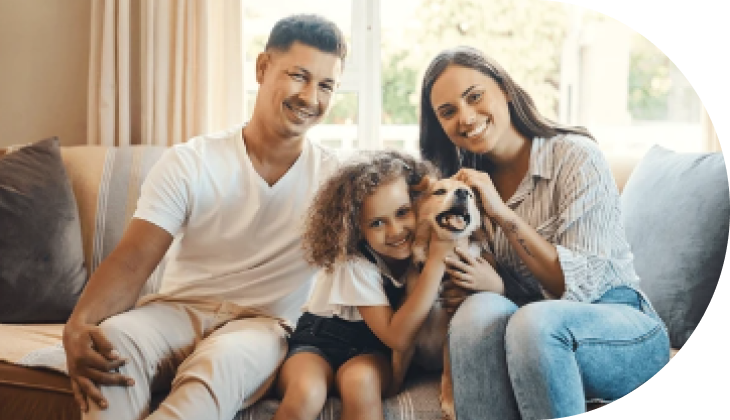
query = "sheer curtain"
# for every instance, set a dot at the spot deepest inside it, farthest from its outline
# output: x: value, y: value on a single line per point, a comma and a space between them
x: 162, y: 71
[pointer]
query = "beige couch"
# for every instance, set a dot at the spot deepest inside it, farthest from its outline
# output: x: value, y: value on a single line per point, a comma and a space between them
x: 106, y: 183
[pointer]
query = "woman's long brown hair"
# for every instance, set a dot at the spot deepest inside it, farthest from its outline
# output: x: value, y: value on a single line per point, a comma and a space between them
x: 435, y: 144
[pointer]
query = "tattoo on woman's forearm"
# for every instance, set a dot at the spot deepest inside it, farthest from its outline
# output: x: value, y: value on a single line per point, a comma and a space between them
x: 512, y: 227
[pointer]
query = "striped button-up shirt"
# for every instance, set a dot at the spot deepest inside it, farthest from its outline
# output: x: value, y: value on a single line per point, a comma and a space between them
x: 569, y: 196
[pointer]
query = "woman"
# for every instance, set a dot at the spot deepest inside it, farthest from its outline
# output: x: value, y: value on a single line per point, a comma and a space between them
x: 572, y: 325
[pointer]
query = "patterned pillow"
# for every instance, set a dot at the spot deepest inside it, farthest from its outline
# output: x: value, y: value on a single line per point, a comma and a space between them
x: 42, y: 270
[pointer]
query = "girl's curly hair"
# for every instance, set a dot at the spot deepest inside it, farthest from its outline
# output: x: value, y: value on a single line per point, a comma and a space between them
x: 332, y: 225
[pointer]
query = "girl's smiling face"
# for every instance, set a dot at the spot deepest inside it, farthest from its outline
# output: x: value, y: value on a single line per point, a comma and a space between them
x: 471, y: 108
x: 388, y: 221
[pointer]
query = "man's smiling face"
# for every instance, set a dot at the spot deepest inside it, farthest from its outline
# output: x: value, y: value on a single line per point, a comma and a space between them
x: 296, y: 87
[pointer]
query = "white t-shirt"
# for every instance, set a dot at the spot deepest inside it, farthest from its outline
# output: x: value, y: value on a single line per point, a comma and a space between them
x: 236, y: 237
x: 357, y: 282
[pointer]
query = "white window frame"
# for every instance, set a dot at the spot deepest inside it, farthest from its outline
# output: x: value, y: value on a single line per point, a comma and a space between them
x: 361, y: 75
x: 362, y: 72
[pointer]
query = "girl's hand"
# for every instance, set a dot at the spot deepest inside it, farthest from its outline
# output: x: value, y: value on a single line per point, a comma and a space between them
x: 473, y: 273
x: 438, y: 249
x: 481, y: 182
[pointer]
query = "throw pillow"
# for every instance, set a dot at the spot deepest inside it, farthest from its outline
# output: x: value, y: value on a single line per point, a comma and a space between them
x: 42, y: 270
x: 676, y: 211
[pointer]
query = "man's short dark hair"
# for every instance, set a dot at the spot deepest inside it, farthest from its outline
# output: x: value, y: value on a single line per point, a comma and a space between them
x: 312, y: 30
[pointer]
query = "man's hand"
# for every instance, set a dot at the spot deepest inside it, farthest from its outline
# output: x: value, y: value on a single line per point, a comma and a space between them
x: 90, y: 359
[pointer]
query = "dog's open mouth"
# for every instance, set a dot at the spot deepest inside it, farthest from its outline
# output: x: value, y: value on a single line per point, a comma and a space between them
x: 455, y: 219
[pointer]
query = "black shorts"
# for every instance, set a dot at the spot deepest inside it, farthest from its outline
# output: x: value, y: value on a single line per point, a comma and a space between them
x: 335, y: 339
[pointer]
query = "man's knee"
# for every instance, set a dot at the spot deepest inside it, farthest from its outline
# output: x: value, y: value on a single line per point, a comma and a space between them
x: 255, y: 341
x: 119, y: 330
x: 244, y: 354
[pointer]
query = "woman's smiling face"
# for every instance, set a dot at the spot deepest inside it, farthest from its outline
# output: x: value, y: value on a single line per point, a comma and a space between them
x: 471, y: 108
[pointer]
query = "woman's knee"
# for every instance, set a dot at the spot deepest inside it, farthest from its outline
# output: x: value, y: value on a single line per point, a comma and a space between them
x: 479, y: 313
x: 535, y: 326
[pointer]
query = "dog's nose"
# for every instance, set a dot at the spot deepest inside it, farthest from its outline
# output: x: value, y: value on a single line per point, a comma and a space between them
x: 461, y: 194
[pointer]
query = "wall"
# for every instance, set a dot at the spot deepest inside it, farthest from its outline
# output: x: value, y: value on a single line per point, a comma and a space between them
x: 603, y: 93
x: 712, y: 142
x: 44, y: 60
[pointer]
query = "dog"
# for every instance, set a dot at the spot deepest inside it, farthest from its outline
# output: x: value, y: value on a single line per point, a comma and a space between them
x: 449, y: 209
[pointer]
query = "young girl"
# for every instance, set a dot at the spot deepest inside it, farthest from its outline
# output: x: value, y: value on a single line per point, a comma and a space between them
x: 359, y: 230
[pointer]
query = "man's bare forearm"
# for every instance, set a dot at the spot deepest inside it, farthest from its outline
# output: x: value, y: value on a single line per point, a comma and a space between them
x: 110, y: 290
x: 115, y: 285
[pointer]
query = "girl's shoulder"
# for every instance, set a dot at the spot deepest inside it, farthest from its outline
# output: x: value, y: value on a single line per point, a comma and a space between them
x: 356, y: 266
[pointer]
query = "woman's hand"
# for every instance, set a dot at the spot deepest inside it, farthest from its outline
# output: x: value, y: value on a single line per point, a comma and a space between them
x: 480, y: 181
x: 473, y: 273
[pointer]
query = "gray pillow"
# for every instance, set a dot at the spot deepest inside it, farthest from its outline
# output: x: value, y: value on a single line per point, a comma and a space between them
x: 676, y: 210
x: 42, y: 268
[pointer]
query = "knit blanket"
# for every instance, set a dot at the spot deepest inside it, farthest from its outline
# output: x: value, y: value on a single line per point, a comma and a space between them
x: 37, y: 345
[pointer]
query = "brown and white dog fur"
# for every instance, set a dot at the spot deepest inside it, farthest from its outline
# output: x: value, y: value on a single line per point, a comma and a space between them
x: 448, y: 209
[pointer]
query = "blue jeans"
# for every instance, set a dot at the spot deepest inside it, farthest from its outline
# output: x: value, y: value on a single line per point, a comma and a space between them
x: 547, y: 359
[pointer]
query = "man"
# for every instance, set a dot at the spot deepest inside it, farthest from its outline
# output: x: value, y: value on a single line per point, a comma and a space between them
x: 232, y: 203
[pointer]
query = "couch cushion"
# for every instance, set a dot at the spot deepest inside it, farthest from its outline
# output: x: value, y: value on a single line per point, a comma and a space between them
x: 107, y: 183
x: 42, y: 268
x: 418, y: 400
x: 621, y: 167
x: 676, y: 210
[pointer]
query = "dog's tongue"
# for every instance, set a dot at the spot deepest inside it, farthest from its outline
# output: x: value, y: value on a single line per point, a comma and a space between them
x: 456, y: 221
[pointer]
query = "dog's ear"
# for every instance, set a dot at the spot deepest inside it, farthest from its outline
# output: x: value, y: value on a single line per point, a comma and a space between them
x: 423, y: 185
x: 486, y: 221
x: 488, y: 231
x: 484, y: 234
x: 420, y: 241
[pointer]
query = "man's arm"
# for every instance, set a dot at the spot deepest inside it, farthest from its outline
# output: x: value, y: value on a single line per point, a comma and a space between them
x: 113, y: 288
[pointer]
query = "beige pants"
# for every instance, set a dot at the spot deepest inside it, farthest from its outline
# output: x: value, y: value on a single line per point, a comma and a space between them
x: 213, y: 357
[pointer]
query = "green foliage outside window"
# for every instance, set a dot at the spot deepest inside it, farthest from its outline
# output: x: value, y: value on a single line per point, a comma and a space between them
x: 524, y: 36
x: 649, y: 81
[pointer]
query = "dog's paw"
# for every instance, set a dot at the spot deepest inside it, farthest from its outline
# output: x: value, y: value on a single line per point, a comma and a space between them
x: 446, y: 396
x: 419, y: 256
x: 447, y: 408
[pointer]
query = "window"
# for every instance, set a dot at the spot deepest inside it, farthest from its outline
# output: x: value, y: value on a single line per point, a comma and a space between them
x: 351, y: 122
x: 626, y: 91
x: 580, y: 67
